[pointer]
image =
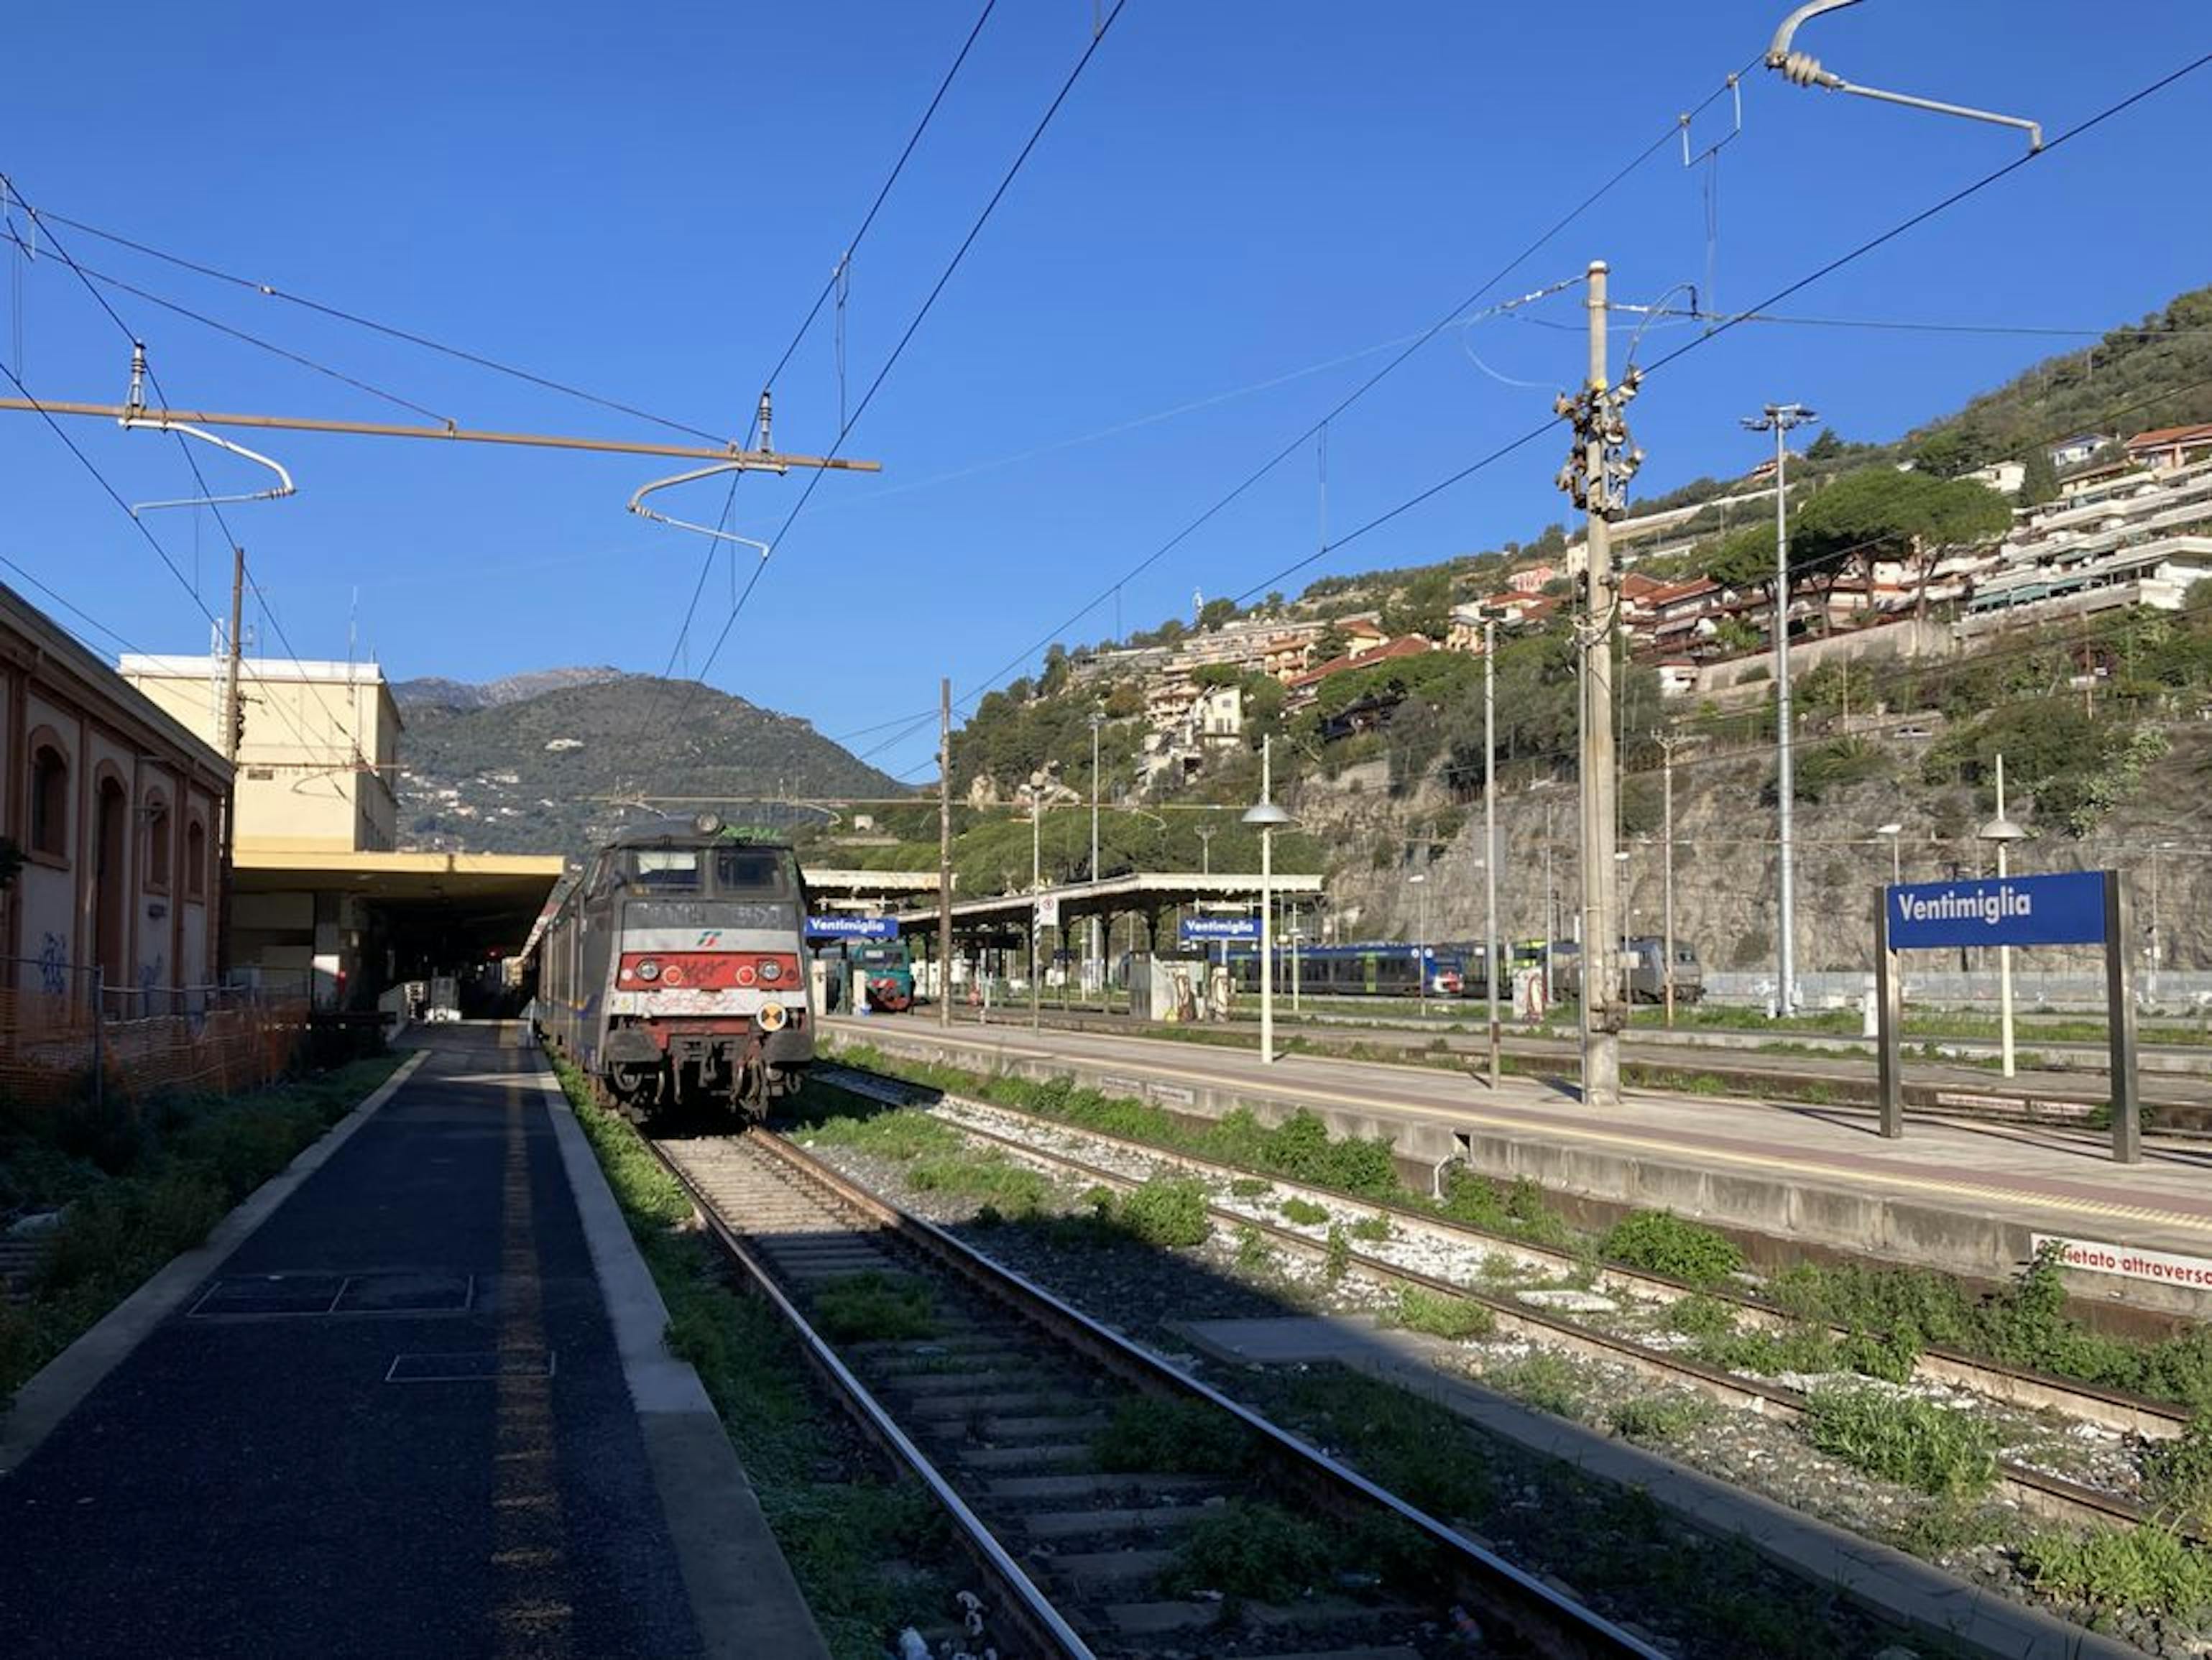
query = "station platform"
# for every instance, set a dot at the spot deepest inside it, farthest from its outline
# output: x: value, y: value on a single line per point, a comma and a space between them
x: 1954, y: 1193
x: 411, y: 1399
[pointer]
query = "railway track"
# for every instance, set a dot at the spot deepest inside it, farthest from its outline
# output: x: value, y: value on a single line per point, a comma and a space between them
x: 2037, y: 1491
x: 995, y: 1394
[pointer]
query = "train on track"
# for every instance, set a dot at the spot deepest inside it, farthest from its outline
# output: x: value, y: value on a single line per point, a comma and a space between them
x: 675, y: 970
x: 1381, y: 969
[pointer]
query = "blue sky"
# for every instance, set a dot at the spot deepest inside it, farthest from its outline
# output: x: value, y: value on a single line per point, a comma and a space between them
x: 1239, y: 209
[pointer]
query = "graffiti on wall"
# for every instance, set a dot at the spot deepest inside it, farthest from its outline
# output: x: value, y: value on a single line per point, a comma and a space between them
x: 53, y: 964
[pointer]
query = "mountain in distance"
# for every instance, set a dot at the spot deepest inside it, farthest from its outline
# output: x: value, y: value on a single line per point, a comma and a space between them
x: 485, y: 770
x: 434, y: 691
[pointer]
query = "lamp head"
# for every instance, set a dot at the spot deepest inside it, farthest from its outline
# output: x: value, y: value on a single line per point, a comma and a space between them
x: 1266, y: 815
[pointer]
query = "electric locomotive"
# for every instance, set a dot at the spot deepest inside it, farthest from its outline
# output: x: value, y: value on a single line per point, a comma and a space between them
x: 674, y: 970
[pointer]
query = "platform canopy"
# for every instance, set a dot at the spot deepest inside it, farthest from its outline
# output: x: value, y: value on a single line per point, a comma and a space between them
x: 447, y: 906
x: 1150, y: 893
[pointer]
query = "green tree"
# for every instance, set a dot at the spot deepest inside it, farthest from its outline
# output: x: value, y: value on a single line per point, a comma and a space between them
x: 1945, y: 454
x: 1422, y: 606
x: 1879, y: 513
x: 1827, y: 447
x: 2038, y: 482
x: 1214, y: 612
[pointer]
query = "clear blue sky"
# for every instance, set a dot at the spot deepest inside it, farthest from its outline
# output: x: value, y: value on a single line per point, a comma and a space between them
x: 1238, y: 198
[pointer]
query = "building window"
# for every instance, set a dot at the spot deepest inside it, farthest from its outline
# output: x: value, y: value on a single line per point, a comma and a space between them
x: 158, y: 849
x: 196, y: 860
x: 49, y: 802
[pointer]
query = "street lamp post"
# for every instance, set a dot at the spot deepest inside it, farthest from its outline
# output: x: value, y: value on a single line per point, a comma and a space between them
x: 1264, y: 815
x: 2003, y: 831
x: 1896, y: 860
x: 1778, y: 419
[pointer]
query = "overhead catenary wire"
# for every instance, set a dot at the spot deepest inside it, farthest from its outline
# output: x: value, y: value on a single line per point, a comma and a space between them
x: 47, y: 220
x: 1296, y: 444
x: 1828, y: 268
x: 929, y: 301
x: 1838, y: 262
x: 838, y: 275
x: 249, y: 338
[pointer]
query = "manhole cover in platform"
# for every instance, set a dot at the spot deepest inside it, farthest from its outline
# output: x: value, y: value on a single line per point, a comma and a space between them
x: 272, y: 1294
x: 395, y: 1291
x: 400, y: 1293
x: 469, y: 1368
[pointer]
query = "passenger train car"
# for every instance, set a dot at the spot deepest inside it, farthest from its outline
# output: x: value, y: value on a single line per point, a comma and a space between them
x: 674, y: 972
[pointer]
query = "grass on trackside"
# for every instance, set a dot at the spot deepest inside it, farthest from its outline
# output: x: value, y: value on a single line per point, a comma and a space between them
x: 1442, y: 1316
x: 134, y: 1188
x: 871, y: 1556
x: 1617, y: 1548
x: 1173, y: 1438
x: 1889, y: 1314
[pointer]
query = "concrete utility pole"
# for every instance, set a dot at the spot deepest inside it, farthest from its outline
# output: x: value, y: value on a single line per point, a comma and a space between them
x: 1098, y: 720
x: 1036, y: 887
x: 1778, y: 419
x: 1491, y: 955
x: 1666, y: 869
x: 944, y: 853
x: 1597, y: 478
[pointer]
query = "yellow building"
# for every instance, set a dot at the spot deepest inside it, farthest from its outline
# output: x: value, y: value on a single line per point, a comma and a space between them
x: 318, y: 752
x: 324, y: 901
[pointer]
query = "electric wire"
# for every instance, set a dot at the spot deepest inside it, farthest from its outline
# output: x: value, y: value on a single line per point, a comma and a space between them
x: 251, y: 339
x: 1296, y: 443
x: 852, y: 244
x: 905, y: 338
x: 1829, y: 267
x: 459, y: 354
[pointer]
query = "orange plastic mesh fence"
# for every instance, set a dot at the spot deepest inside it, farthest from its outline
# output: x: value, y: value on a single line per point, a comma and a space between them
x: 220, y: 1041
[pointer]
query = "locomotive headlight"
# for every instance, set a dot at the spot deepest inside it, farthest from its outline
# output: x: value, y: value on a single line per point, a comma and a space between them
x: 771, y: 971
x: 771, y: 1017
x: 648, y: 969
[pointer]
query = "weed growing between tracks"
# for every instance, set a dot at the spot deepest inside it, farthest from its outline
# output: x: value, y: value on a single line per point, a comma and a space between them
x: 134, y: 1189
x: 867, y: 1552
x: 1176, y: 1438
x: 1897, y: 1438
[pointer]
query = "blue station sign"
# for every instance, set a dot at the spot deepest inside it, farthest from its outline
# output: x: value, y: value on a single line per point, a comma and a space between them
x: 852, y: 928
x: 2002, y: 910
x: 1206, y: 930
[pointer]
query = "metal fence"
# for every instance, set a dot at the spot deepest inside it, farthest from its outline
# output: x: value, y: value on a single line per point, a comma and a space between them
x: 2172, y: 991
x: 65, y: 1033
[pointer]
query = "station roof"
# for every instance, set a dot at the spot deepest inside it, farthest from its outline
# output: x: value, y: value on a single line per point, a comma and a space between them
x: 477, y: 902
x: 1139, y: 890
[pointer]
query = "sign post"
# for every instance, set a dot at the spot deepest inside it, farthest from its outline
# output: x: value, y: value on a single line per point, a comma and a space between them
x: 1889, y: 1000
x: 2079, y: 908
x: 2120, y: 1021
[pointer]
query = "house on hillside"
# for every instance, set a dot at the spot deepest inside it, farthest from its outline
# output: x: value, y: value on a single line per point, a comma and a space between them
x: 2165, y: 448
x: 2140, y: 537
x: 2075, y: 451
x: 1532, y: 580
x: 1303, y: 686
x: 1212, y: 720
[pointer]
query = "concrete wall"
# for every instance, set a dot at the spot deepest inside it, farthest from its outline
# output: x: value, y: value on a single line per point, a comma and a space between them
x: 1904, y: 639
x: 315, y: 765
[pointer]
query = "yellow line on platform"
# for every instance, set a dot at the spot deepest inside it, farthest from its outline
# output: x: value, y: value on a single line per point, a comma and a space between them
x: 1455, y: 1112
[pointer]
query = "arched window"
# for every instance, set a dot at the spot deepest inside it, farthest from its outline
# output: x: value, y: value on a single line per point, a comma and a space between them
x: 158, y: 840
x: 196, y: 871
x: 50, y: 787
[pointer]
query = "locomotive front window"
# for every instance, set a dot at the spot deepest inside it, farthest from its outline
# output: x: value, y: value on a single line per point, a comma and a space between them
x: 750, y: 870
x: 666, y: 870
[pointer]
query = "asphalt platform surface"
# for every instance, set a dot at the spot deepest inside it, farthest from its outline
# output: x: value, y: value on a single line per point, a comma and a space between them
x: 394, y: 1422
